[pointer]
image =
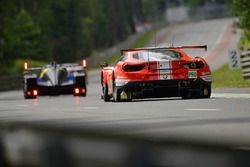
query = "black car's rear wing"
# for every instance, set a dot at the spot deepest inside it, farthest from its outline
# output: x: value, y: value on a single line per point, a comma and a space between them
x: 27, y: 68
x: 172, y: 47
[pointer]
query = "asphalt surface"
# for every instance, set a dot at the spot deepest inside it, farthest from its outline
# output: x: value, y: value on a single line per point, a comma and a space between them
x: 223, y: 119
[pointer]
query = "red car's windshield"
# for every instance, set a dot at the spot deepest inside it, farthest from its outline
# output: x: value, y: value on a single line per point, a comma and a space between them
x: 157, y: 55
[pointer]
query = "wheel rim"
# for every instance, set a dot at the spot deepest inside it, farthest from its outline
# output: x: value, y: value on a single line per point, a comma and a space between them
x: 205, y: 91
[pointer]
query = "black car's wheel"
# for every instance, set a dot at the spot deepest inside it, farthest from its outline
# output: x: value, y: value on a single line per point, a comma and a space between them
x: 105, y: 95
x: 25, y: 95
x: 117, y: 94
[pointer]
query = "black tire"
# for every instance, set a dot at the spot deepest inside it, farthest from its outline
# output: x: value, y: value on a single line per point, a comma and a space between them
x: 117, y: 94
x: 206, y: 91
x: 186, y: 94
x: 130, y: 97
x: 84, y: 94
x: 105, y: 95
x: 25, y: 95
x: 25, y: 91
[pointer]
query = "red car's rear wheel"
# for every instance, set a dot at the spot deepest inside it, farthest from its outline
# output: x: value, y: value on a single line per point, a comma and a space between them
x: 117, y: 94
x: 106, y: 97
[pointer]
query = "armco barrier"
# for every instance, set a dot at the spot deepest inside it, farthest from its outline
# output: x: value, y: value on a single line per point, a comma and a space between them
x: 245, y: 64
x: 10, y: 82
x: 31, y: 144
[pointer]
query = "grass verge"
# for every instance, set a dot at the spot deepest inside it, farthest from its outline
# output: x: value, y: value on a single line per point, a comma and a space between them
x: 228, y: 78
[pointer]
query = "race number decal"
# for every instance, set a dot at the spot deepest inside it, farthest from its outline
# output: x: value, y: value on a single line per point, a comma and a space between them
x: 234, y: 59
x: 164, y: 68
x: 192, y: 74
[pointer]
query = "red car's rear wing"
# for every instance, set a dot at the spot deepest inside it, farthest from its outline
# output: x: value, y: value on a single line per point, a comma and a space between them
x: 172, y: 47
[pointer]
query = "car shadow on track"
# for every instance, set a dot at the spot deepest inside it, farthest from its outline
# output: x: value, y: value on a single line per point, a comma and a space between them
x: 170, y: 99
x: 157, y: 99
x: 163, y: 99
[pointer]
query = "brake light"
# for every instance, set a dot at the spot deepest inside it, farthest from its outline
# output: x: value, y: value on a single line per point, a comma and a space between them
x: 35, y: 92
x: 25, y: 66
x: 133, y: 68
x: 83, y: 90
x: 28, y: 93
x: 84, y: 63
x: 77, y: 91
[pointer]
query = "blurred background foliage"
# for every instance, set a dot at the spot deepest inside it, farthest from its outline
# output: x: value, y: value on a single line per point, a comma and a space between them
x: 241, y: 8
x: 67, y: 30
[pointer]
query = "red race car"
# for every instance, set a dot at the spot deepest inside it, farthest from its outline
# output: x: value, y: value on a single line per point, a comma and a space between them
x: 156, y: 72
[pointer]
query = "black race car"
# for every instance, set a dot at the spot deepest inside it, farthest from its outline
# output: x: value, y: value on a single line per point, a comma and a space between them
x: 54, y: 79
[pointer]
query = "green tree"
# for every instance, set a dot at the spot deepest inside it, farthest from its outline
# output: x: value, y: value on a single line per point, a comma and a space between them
x: 65, y: 29
x: 242, y: 9
x: 21, y: 36
x: 153, y: 10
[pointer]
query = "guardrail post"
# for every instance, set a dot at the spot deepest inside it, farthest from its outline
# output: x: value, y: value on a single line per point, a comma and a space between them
x: 10, y: 82
x: 245, y: 64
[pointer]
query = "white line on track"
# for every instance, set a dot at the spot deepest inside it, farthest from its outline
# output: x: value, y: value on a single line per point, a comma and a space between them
x: 22, y: 105
x: 202, y: 109
x: 89, y: 108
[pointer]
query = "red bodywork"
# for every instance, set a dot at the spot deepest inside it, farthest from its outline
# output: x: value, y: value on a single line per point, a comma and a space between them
x: 190, y: 76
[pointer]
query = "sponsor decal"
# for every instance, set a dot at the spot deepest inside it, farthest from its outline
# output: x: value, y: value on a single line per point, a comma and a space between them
x: 192, y: 74
x: 164, y: 69
x: 164, y: 65
x: 43, y: 73
x: 164, y: 76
